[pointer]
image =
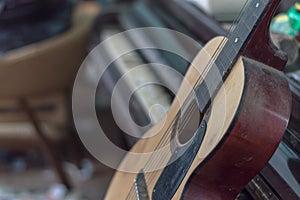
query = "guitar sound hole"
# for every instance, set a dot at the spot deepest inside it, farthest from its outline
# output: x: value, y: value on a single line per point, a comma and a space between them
x: 188, y: 123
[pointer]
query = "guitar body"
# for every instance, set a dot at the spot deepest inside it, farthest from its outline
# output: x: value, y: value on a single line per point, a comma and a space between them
x: 244, y: 126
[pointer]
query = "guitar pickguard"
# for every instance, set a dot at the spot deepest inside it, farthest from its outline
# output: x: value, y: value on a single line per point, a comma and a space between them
x: 141, y: 189
x: 173, y: 174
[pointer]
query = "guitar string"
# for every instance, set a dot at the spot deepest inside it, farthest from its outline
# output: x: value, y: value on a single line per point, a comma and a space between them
x: 200, y: 79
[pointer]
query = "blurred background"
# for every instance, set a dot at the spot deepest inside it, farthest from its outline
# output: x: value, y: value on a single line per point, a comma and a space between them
x: 42, y: 46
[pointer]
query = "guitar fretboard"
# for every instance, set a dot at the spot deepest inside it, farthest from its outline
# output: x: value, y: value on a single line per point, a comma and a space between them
x: 237, y: 39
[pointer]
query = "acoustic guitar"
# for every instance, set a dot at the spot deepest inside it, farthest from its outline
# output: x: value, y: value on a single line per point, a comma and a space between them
x: 236, y: 106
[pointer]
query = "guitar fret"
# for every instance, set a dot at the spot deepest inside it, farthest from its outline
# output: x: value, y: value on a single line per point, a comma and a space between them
x: 221, y: 61
x: 251, y: 19
x: 253, y: 13
x: 231, y: 49
x: 225, y: 62
x: 224, y: 59
x: 243, y: 31
x: 218, y: 64
x: 257, y: 10
x: 265, y: 2
x: 222, y: 64
x: 246, y: 25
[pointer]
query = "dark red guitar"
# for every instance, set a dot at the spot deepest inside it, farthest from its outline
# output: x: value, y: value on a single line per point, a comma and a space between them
x: 235, y: 111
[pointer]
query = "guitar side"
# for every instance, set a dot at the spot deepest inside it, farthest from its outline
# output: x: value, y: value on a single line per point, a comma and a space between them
x: 247, y: 120
x: 252, y: 138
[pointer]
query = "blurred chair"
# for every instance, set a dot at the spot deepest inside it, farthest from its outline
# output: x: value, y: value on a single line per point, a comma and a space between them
x: 35, y: 81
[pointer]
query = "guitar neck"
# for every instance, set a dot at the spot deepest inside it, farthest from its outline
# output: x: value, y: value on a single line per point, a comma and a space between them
x: 252, y: 18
